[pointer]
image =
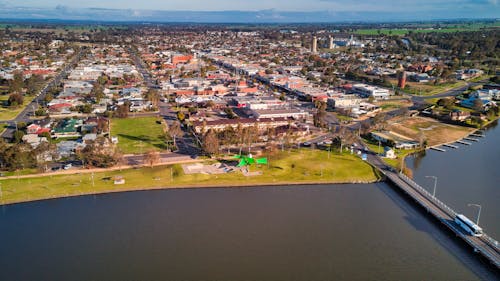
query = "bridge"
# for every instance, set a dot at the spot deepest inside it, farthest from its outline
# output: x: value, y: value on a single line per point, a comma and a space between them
x: 485, y: 245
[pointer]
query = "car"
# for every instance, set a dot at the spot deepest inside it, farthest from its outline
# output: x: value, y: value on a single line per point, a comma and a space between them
x: 68, y: 166
x: 306, y: 143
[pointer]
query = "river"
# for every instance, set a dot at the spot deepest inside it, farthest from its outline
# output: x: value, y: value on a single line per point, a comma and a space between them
x: 467, y: 175
x: 323, y: 232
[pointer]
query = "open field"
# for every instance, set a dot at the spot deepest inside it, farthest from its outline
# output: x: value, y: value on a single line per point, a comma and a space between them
x: 433, y: 131
x: 7, y: 113
x: 426, y: 89
x: 303, y: 166
x: 448, y: 28
x: 138, y: 135
x: 387, y: 105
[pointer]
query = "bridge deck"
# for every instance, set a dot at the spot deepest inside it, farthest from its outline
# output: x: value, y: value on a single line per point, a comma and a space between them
x: 485, y: 245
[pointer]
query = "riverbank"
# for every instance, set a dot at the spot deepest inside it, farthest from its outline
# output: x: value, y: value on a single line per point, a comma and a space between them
x: 303, y: 166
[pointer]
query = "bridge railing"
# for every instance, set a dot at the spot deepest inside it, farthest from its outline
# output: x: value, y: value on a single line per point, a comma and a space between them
x: 443, y: 206
x: 428, y: 195
x: 491, y: 241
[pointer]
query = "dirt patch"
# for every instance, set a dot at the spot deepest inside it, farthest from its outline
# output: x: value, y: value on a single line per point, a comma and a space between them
x: 433, y: 131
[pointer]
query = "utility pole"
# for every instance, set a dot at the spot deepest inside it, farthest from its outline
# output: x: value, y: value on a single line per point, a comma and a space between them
x: 479, y: 213
x: 435, y: 184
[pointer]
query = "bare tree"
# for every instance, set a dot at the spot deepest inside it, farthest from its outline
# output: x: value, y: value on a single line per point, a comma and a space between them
x: 210, y: 143
x: 152, y: 157
x: 175, y: 131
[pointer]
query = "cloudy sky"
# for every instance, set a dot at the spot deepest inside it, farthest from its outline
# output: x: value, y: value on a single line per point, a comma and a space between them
x: 282, y: 5
x: 399, y: 9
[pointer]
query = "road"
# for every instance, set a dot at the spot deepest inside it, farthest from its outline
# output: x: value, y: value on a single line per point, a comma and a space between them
x: 185, y: 144
x: 29, y: 110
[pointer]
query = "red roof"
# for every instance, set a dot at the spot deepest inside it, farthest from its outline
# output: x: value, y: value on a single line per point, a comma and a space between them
x: 60, y: 105
x: 42, y: 130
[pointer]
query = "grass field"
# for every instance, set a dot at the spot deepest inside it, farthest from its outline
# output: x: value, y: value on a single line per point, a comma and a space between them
x: 387, y: 105
x: 400, y: 154
x: 428, y: 28
x: 7, y: 113
x: 304, y: 166
x: 138, y: 135
x: 426, y: 89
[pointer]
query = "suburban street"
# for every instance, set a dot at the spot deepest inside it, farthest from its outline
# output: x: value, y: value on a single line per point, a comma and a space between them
x: 29, y: 110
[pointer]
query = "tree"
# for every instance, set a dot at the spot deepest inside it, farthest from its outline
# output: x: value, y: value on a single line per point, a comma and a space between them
x: 18, y: 136
x: 17, y: 83
x: 478, y: 105
x: 446, y: 103
x: 152, y: 157
x: 99, y: 154
x: 153, y: 96
x: 16, y: 157
x: 122, y: 111
x: 175, y: 131
x: 181, y: 116
x: 97, y: 92
x: 34, y: 84
x: 210, y: 143
x: 15, y: 99
x: 319, y: 116
x: 102, y: 80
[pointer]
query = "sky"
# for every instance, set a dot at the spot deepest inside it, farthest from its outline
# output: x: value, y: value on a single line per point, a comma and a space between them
x: 439, y: 9
x: 282, y: 5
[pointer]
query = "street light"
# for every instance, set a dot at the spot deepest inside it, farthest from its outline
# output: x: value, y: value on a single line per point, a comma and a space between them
x: 479, y: 213
x: 435, y: 184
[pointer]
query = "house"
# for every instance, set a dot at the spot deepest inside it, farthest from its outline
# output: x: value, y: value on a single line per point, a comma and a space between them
x: 67, y: 127
x: 68, y: 148
x: 34, y: 140
x: 37, y: 129
x: 389, y: 153
x: 61, y: 108
x: 458, y: 115
x: 89, y: 138
x: 399, y: 141
x: 420, y: 77
x: 485, y: 103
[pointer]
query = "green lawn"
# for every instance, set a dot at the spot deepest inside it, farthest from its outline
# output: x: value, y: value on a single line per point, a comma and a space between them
x: 447, y: 28
x: 304, y: 166
x: 2, y: 127
x: 138, y: 135
x: 400, y: 153
x: 8, y: 113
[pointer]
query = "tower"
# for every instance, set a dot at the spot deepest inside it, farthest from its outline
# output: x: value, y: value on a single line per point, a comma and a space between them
x: 402, y: 79
x: 314, y: 45
x: 330, y: 42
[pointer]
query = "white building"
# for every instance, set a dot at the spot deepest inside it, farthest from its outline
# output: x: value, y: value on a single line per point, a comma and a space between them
x: 365, y: 90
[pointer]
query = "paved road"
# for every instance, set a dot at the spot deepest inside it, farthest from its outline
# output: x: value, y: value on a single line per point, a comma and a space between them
x: 29, y: 110
x: 186, y: 144
x: 166, y: 157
